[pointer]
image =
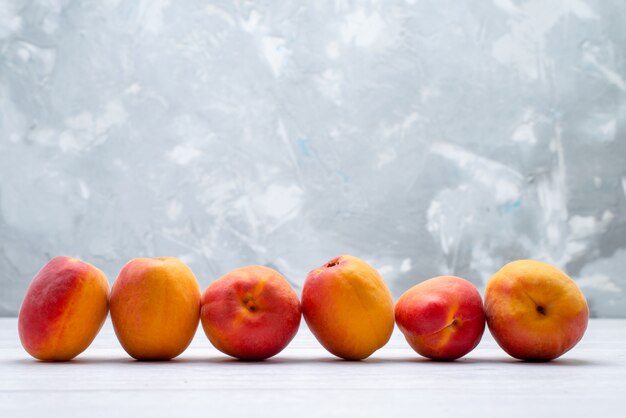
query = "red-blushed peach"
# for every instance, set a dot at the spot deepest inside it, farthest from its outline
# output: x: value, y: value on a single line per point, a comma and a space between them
x: 155, y: 307
x: 348, y: 307
x: 64, y: 307
x: 250, y: 313
x: 534, y: 311
x: 441, y: 318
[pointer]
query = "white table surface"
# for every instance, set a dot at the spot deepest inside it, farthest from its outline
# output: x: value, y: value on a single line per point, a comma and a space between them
x: 305, y: 380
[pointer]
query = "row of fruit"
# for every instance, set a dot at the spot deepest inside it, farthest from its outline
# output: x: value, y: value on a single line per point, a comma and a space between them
x: 534, y: 311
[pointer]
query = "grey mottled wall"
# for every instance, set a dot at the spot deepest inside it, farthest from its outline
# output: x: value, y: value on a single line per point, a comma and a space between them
x: 427, y: 137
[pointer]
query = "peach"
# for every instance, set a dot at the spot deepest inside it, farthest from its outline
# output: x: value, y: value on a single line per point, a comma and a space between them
x: 63, y: 309
x: 441, y: 318
x: 155, y: 307
x: 250, y: 313
x: 348, y: 307
x: 534, y: 311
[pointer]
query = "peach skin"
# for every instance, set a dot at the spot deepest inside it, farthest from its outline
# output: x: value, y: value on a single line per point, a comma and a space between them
x: 348, y: 307
x: 64, y: 307
x: 250, y: 313
x: 155, y: 307
x: 441, y: 318
x: 535, y: 312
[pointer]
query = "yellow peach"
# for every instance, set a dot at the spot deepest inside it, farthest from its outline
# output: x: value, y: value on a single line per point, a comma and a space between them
x: 155, y: 307
x: 535, y: 311
x: 64, y: 308
x: 348, y: 307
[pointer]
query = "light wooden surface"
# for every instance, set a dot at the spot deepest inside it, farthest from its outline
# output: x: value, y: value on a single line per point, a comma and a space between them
x: 304, y: 380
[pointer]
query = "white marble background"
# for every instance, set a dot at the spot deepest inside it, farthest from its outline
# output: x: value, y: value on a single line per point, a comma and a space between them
x: 427, y: 137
